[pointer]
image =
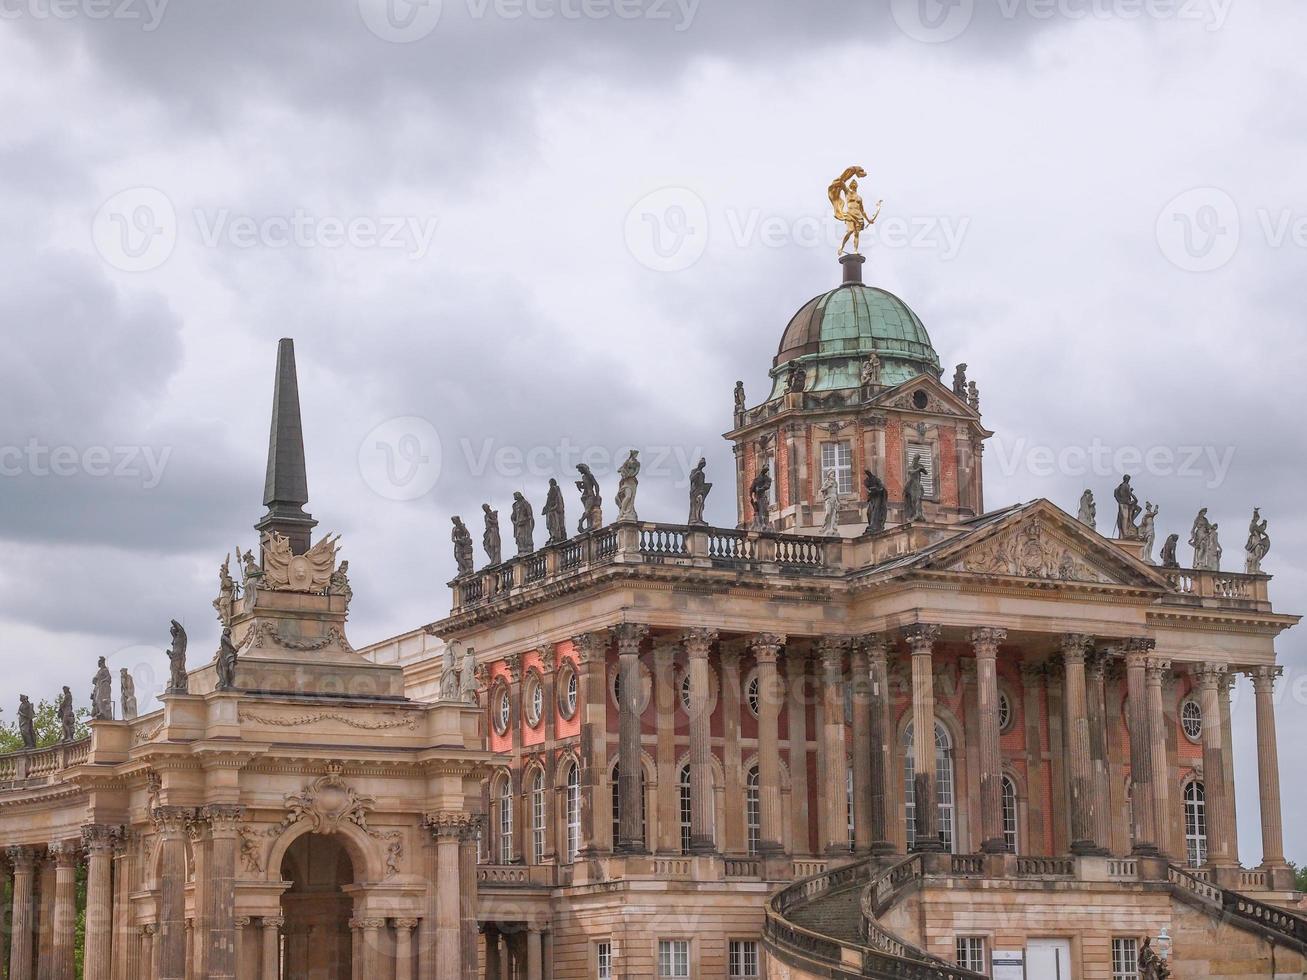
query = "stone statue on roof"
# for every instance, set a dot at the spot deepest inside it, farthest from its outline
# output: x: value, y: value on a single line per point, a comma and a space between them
x: 490, y: 539
x: 1259, y: 543
x: 592, y: 513
x: 699, y: 490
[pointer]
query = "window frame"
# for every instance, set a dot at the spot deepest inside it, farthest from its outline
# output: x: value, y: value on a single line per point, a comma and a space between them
x: 970, y: 953
x: 1125, y: 958
x: 926, y: 451
x: 539, y: 815
x: 1197, y: 737
x: 572, y: 812
x: 738, y: 953
x: 945, y: 801
x: 505, y: 828
x: 603, y: 959
x: 841, y: 461
x: 753, y: 810
x: 674, y: 959
x: 534, y: 699
x: 1012, y: 826
x: 1194, y: 800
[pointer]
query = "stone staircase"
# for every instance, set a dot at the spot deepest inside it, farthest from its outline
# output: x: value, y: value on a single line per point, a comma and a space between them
x: 837, y: 915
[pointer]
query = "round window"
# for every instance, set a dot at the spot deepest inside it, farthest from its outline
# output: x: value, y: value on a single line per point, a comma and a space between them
x: 920, y: 399
x: 503, y: 710
x: 685, y: 691
x: 535, y: 700
x: 752, y: 694
x: 567, y: 693
x: 1004, y: 711
x: 1191, y: 720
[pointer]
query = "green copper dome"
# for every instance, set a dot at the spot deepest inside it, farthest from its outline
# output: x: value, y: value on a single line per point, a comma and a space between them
x: 832, y: 335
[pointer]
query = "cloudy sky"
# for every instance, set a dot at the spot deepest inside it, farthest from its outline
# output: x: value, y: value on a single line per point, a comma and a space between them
x: 506, y: 232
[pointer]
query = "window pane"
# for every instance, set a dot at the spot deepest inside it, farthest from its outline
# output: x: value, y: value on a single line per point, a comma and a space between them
x: 1125, y: 959
x: 923, y: 452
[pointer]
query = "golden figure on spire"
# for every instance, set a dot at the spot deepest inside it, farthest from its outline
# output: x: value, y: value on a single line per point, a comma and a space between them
x: 844, y: 198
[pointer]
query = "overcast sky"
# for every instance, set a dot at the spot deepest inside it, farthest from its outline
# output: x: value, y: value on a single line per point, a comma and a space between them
x: 503, y: 232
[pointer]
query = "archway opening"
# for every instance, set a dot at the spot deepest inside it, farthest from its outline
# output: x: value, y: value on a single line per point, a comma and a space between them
x: 317, y: 909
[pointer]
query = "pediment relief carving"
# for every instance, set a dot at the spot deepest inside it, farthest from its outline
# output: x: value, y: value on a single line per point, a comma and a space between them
x: 1032, y: 550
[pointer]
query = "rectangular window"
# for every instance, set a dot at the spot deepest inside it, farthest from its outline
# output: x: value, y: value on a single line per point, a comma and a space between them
x: 971, y: 953
x: 538, y: 819
x: 838, y: 456
x: 673, y: 958
x: 775, y: 479
x: 923, y: 452
x: 1125, y: 959
x: 743, y: 959
x: 604, y: 960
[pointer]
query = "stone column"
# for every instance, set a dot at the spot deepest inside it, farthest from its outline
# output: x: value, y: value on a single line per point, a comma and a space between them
x: 1097, y: 713
x: 1141, y: 748
x: 469, y: 833
x: 404, y: 948
x: 23, y: 922
x: 1268, y: 767
x: 535, y: 960
x: 985, y: 643
x: 494, y: 969
x: 835, y: 779
x: 591, y: 652
x: 698, y: 642
x: 766, y: 648
x: 733, y: 833
x: 372, y: 966
x: 669, y: 834
x: 1211, y: 681
x: 921, y: 640
x: 860, y: 688
x: 878, y: 769
x: 247, y: 947
x: 631, y: 824
x: 172, y: 822
x: 1227, y: 740
x: 1161, y: 769
x: 1083, y: 801
x: 99, y: 843
x: 447, y: 829
x: 356, y: 950
x: 224, y: 826
x: 66, y: 856
x: 796, y: 677
x: 44, y: 964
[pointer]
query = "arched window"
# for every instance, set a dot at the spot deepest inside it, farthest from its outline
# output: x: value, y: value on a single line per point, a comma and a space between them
x: 683, y: 782
x: 1195, y: 823
x: 538, y: 817
x: 573, y: 808
x: 1010, y: 837
x: 617, y: 805
x: 505, y: 798
x: 943, y: 785
x: 753, y: 811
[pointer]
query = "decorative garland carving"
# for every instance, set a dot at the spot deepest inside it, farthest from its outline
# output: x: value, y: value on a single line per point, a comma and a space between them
x: 407, y: 720
x: 267, y: 630
x: 144, y: 735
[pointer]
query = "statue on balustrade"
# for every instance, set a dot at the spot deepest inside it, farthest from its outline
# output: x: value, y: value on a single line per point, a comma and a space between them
x: 760, y: 498
x: 467, y: 688
x: 877, y: 502
x: 1169, y: 560
x: 67, y: 716
x: 490, y: 539
x: 26, y: 721
x: 524, y: 525
x: 339, y: 584
x: 127, y: 693
x: 226, y: 592
x: 1088, y: 514
x: 1207, y: 547
x: 1127, y: 511
x: 178, y: 680
x: 1259, y: 543
x: 1151, y: 966
x: 449, y: 685
x: 914, y: 492
x: 1148, y: 530
x: 699, y: 490
x: 102, y: 694
x: 555, y: 519
x: 739, y: 398
x: 830, y: 495
x: 629, y: 472
x: 226, y: 661
x: 462, y: 539
x: 960, y: 381
x: 592, y: 514
x: 871, y: 371
x: 973, y: 396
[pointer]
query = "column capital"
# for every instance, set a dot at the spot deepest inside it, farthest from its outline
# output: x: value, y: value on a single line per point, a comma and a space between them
x: 241, y: 921
x: 1208, y: 673
x: 1074, y: 647
x: 664, y: 653
x: 148, y: 930
x: 514, y: 664
x: 1136, y: 649
x: 985, y: 640
x: 100, y: 838
x: 1032, y: 672
x: 1156, y: 667
x: 1265, y: 676
x: 591, y: 647
x: 64, y: 853
x: 450, y: 825
x: 766, y: 647
x: 21, y: 857
x: 629, y: 637
x: 278, y: 921
x: 406, y: 924
x: 874, y: 644
x: 921, y: 638
x: 832, y: 649
x: 698, y: 641
x: 223, y: 818
x: 1096, y: 664
x: 548, y: 658
x: 172, y: 820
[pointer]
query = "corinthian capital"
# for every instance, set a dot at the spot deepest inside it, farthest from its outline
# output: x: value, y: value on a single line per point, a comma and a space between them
x: 590, y: 647
x: 985, y: 641
x: 698, y: 641
x: 921, y: 638
x: 630, y: 636
x: 766, y: 647
x: 1075, y: 646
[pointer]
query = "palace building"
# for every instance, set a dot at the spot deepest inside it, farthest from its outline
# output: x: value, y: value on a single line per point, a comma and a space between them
x: 876, y: 729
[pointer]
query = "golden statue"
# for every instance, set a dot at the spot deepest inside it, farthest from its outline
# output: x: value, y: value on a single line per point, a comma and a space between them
x: 844, y: 198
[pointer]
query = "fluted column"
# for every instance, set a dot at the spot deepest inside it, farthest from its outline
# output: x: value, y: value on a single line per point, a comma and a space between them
x: 535, y: 954
x: 877, y: 650
x: 1227, y: 740
x: 860, y: 688
x: 224, y: 826
x: 766, y: 648
x: 1161, y: 769
x: 404, y: 949
x: 1211, y: 678
x: 985, y: 643
x: 1096, y: 689
x: 631, y: 825
x: 698, y: 642
x: 469, y: 834
x: 172, y: 822
x: 23, y: 921
x: 733, y: 831
x: 66, y: 856
x: 1084, y: 802
x: 148, y: 961
x: 1141, y: 747
x: 357, y: 953
x: 447, y: 829
x: 591, y: 652
x: 372, y: 958
x: 669, y: 824
x: 1268, y: 767
x: 921, y: 640
x: 99, y: 843
x: 831, y: 650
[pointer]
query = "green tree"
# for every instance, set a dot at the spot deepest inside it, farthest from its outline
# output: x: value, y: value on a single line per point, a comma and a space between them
x: 1299, y: 876
x: 48, y: 729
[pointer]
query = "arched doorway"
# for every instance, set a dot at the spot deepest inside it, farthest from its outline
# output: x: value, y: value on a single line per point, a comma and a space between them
x: 317, y: 910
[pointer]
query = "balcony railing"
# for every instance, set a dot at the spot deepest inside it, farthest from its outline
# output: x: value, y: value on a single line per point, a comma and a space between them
x: 41, y: 765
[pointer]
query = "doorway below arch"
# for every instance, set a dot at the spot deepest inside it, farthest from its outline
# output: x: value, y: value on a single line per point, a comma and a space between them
x: 317, y: 942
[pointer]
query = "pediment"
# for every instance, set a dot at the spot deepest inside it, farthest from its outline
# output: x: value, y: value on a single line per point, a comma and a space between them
x: 938, y: 400
x: 1042, y: 542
